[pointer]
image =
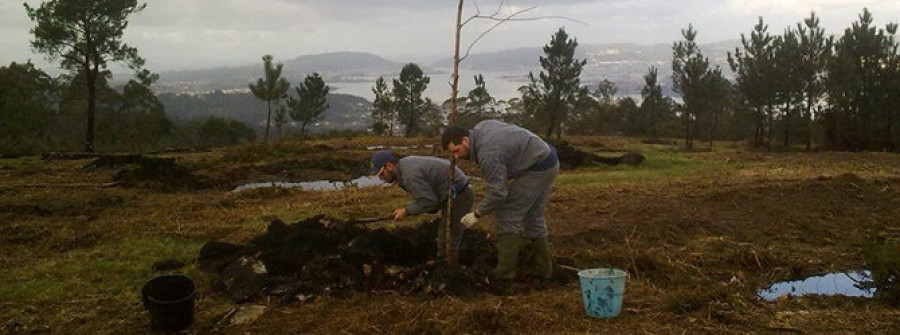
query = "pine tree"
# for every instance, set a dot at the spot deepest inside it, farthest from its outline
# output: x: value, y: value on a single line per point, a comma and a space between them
x: 716, y: 102
x: 26, y: 109
x: 815, y: 49
x: 382, y: 108
x: 85, y: 36
x: 281, y: 118
x: 552, y: 97
x: 656, y: 109
x: 311, y: 102
x: 859, y: 89
x: 891, y: 92
x: 606, y: 92
x: 754, y: 68
x: 689, y: 67
x: 408, y: 101
x: 476, y: 104
x: 271, y: 88
x: 787, y: 80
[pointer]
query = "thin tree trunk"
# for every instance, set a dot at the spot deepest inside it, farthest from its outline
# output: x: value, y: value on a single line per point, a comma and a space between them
x: 838, y: 136
x: 891, y: 129
x: 91, y: 79
x: 809, y: 125
x: 409, y: 126
x: 770, y: 120
x: 787, y: 125
x: 688, y: 141
x: 268, y: 119
x: 559, y: 132
x: 391, y: 126
x: 756, y: 129
x: 449, y: 238
x: 552, y: 124
x: 412, y: 116
x: 760, y: 130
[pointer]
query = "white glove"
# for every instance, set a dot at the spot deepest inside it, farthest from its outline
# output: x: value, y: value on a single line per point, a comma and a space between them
x: 469, y: 220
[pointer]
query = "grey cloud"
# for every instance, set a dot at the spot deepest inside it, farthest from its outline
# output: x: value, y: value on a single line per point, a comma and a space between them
x: 179, y: 33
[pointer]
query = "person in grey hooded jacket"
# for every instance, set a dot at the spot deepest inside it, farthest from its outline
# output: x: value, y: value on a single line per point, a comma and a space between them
x: 518, y: 168
x: 426, y: 180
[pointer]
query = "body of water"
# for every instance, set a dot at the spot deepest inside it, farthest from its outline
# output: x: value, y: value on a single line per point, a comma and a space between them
x: 318, y: 185
x: 837, y: 283
x: 501, y: 86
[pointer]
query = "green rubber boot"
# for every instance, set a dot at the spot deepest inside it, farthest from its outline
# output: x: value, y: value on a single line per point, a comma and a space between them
x: 507, y: 257
x: 543, y: 260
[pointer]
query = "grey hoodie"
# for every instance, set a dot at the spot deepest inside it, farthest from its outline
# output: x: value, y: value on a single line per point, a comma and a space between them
x: 503, y: 151
x: 425, y: 178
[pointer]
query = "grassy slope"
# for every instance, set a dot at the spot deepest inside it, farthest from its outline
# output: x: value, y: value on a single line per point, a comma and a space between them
x: 699, y: 232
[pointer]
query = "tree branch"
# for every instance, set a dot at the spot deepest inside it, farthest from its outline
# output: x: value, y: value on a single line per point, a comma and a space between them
x: 501, y: 20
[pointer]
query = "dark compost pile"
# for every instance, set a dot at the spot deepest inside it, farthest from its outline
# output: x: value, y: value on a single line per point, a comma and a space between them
x: 320, y: 256
x: 571, y: 157
x: 160, y: 173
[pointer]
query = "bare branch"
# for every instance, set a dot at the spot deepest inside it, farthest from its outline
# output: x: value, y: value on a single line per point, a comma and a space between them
x: 499, y: 8
x: 501, y: 20
x: 473, y: 17
x: 478, y: 13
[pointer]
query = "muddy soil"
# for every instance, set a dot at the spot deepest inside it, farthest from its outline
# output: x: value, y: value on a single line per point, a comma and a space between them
x: 158, y: 173
x: 322, y: 256
x: 571, y: 157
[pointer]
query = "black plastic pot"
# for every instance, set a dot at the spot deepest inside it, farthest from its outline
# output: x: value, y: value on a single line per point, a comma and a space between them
x: 170, y: 300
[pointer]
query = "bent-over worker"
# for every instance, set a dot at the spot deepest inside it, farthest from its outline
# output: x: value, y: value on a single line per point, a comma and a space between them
x: 518, y: 168
x: 426, y: 180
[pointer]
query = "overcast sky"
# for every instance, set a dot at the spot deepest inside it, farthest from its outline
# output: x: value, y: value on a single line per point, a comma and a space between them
x: 181, y: 34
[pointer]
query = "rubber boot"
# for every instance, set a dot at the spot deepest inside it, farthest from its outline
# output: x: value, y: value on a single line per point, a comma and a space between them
x: 507, y: 260
x: 507, y: 256
x: 543, y: 260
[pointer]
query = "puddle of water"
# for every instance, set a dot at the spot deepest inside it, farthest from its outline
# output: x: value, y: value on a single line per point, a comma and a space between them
x: 386, y: 147
x: 318, y: 185
x: 366, y: 181
x: 836, y: 283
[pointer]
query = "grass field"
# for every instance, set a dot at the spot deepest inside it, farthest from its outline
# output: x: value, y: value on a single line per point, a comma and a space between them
x: 699, y: 232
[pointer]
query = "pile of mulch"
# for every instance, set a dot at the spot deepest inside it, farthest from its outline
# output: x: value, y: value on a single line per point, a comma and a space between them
x: 321, y: 256
x: 161, y: 173
x: 571, y: 157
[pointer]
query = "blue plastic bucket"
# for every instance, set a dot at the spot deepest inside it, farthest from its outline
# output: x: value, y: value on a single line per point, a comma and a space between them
x: 602, y: 290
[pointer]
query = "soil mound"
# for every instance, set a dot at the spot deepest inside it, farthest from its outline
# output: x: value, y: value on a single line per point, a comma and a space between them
x: 321, y: 256
x: 149, y: 172
x: 571, y: 157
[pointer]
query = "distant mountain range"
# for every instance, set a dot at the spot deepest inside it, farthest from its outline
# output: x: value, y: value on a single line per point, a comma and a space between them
x: 223, y: 91
x: 622, y: 63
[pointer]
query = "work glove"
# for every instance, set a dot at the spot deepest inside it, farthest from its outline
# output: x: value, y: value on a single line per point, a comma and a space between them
x: 469, y: 220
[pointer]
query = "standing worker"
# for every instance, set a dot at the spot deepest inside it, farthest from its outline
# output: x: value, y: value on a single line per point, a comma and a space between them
x: 506, y: 152
x: 426, y: 179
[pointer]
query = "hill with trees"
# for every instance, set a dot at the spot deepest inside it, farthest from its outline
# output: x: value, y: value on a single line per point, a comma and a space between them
x: 333, y: 66
x: 344, y: 111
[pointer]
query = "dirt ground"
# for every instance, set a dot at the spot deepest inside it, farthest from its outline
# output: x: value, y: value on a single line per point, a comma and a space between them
x: 698, y: 232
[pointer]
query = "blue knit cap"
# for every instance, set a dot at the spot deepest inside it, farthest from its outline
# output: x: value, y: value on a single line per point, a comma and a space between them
x: 379, y: 160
